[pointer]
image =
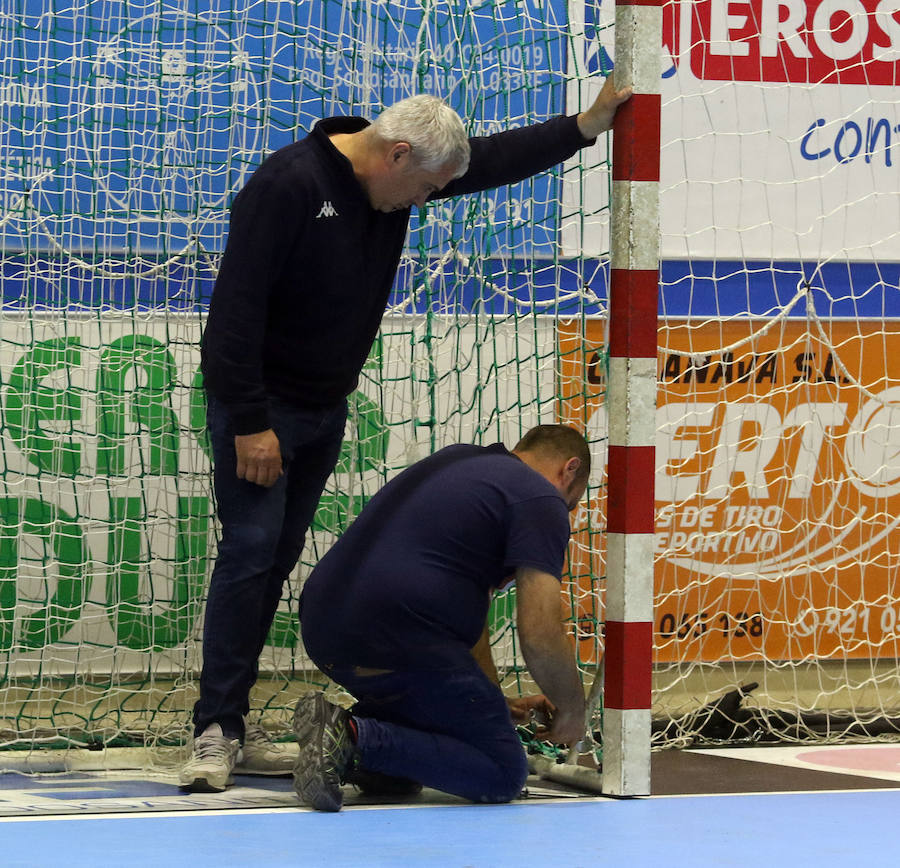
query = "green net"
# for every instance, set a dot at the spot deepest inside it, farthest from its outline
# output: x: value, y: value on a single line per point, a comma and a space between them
x: 126, y: 129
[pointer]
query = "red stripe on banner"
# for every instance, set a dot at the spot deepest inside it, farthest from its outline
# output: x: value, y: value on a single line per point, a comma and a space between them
x: 634, y: 306
x: 640, y: 3
x: 630, y: 503
x: 628, y: 651
x: 636, y: 139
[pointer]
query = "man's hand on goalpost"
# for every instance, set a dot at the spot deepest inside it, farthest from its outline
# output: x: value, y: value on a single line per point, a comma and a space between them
x: 598, y: 118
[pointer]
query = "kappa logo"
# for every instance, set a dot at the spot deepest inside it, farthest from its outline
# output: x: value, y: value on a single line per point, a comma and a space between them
x: 327, y: 210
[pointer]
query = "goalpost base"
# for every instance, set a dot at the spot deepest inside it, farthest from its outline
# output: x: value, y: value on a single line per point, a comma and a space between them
x: 569, y: 774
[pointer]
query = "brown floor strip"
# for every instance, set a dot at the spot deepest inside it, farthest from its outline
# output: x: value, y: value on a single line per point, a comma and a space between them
x: 685, y: 772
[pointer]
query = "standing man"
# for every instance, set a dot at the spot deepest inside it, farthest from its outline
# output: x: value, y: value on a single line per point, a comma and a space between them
x: 314, y: 243
x: 395, y: 610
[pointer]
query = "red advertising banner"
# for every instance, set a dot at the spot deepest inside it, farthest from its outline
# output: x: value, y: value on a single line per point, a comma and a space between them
x: 796, y: 41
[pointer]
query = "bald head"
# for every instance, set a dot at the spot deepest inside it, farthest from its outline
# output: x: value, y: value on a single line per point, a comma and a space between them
x: 560, y: 454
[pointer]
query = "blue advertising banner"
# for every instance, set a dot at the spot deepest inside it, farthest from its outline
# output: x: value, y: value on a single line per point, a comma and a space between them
x: 128, y: 125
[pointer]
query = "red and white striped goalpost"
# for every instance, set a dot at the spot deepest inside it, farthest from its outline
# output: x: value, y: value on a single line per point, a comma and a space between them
x: 631, y: 402
x: 626, y: 677
x: 631, y: 414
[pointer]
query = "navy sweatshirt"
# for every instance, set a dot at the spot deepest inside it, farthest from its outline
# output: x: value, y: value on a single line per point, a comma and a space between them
x: 309, y: 265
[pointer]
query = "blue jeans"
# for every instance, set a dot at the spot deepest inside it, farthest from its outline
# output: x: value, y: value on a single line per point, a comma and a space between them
x: 263, y: 531
x: 449, y: 730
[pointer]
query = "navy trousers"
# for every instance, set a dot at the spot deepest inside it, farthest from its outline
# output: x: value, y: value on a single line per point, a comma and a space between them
x: 263, y: 532
x: 448, y: 730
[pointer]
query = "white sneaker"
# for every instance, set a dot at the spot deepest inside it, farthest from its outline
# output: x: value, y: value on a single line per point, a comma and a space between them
x: 211, y: 763
x: 262, y: 756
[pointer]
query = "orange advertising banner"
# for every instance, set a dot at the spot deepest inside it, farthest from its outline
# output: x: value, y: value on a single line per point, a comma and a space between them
x: 777, y: 486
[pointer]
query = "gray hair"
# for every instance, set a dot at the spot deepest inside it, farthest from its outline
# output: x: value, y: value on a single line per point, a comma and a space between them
x: 433, y: 130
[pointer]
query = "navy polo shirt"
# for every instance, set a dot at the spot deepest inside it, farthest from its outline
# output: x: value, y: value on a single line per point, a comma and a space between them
x: 409, y: 583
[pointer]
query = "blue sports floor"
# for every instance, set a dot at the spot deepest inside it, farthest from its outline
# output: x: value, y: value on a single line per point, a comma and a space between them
x: 802, y: 829
x: 129, y: 819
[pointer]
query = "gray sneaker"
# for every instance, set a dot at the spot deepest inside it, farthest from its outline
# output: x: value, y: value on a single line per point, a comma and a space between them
x: 326, y: 754
x: 211, y: 763
x: 262, y: 756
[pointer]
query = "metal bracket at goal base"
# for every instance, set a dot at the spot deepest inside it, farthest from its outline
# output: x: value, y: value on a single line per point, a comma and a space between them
x: 580, y: 770
x: 569, y: 774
